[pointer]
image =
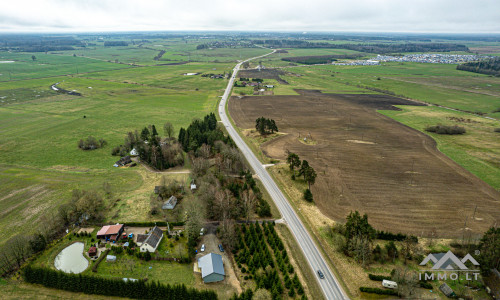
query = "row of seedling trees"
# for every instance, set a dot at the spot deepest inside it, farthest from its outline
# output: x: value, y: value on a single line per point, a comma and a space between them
x: 261, y: 255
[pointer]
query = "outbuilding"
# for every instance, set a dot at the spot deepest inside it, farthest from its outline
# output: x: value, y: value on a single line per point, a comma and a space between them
x: 170, y: 203
x: 212, y: 268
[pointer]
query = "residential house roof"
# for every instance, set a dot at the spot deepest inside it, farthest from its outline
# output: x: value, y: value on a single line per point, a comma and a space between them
x: 211, y: 263
x: 154, y: 237
x: 141, y: 238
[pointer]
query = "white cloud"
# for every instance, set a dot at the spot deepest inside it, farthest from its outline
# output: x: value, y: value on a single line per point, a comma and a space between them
x: 277, y: 15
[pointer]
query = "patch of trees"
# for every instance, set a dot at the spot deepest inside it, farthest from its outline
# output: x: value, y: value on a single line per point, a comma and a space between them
x: 84, y: 206
x: 261, y: 256
x: 153, y: 150
x: 89, y: 284
x: 489, y: 247
x: 356, y: 239
x: 201, y: 132
x: 225, y: 44
x: 115, y: 43
x: 321, y: 59
x: 159, y: 55
x: 91, y: 143
x: 444, y: 129
x: 265, y: 126
x: 488, y: 67
x: 304, y: 169
x: 370, y: 48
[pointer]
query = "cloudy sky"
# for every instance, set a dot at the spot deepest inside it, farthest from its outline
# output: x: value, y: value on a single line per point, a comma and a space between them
x: 459, y: 16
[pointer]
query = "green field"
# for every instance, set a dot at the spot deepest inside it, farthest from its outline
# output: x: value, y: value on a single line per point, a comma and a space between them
x: 40, y: 163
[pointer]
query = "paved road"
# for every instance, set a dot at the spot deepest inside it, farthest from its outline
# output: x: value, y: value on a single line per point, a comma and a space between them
x: 330, y: 286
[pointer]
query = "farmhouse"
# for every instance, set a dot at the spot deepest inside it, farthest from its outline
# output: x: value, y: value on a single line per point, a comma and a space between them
x: 110, y: 232
x: 212, y: 268
x: 123, y: 161
x: 170, y: 203
x: 149, y: 242
x: 134, y: 152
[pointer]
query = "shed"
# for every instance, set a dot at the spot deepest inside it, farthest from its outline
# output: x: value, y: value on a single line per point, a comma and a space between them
x: 126, y: 245
x: 92, y: 251
x: 193, y: 186
x: 447, y: 290
x: 212, y: 268
x: 110, y: 258
x: 170, y: 203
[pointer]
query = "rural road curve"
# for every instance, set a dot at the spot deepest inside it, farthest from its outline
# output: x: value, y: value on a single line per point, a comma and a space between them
x: 329, y: 285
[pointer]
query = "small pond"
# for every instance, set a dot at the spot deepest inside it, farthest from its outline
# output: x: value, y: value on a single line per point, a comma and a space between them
x: 71, y: 259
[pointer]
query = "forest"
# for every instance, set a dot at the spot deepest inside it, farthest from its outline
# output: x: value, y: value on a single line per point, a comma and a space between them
x: 369, y: 48
x: 488, y: 67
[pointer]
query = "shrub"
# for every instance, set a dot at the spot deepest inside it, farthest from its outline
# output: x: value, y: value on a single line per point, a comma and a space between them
x: 246, y: 277
x: 496, y: 130
x: 426, y: 285
x: 378, y: 277
x: 443, y: 129
x: 91, y: 143
x: 308, y: 196
x: 378, y: 291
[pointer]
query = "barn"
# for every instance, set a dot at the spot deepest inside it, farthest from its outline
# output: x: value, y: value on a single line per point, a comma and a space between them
x: 212, y: 268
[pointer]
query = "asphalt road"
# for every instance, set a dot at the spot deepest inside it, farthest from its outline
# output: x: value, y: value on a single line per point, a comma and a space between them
x: 329, y: 285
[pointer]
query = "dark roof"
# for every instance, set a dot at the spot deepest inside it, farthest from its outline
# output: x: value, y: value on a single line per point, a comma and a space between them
x: 154, y: 237
x: 142, y: 237
x: 211, y: 263
x: 446, y: 290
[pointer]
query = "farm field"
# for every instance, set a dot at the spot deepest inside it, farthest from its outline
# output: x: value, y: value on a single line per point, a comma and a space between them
x: 372, y: 164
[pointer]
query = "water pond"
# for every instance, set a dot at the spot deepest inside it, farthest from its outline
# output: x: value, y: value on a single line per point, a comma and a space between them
x: 71, y: 259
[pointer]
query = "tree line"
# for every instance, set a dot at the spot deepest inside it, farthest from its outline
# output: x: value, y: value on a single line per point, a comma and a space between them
x: 488, y: 67
x: 115, y: 43
x: 369, y: 48
x: 89, y: 284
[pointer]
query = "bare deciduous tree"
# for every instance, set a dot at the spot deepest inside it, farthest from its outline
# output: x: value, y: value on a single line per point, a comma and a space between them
x: 249, y: 201
x: 168, y: 128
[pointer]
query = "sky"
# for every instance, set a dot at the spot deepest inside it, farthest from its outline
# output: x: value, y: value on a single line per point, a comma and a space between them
x: 430, y: 16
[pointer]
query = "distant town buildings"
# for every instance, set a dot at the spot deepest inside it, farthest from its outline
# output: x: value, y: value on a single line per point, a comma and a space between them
x: 430, y: 58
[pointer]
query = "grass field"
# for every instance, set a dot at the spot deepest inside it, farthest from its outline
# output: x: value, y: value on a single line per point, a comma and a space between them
x: 40, y: 161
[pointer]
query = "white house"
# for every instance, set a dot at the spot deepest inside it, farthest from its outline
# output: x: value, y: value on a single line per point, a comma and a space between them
x: 134, y: 152
x: 149, y: 242
x: 170, y: 203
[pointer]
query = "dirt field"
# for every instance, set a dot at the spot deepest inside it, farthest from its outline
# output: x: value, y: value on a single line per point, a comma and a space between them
x: 370, y: 163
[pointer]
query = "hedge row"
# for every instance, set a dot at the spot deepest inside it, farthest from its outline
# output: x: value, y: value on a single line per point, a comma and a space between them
x: 96, y: 264
x: 112, y: 287
x: 150, y: 224
x: 378, y: 291
x: 379, y: 277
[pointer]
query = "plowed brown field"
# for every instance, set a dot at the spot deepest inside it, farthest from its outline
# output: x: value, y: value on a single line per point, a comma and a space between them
x: 373, y: 164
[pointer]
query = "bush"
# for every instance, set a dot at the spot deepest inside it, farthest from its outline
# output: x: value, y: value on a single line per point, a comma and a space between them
x: 426, y: 285
x: 443, y: 129
x: 378, y: 291
x: 308, y: 196
x: 91, y: 143
x: 378, y: 277
x: 496, y: 130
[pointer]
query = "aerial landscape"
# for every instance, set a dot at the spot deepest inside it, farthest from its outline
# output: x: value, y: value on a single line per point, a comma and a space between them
x: 346, y: 150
